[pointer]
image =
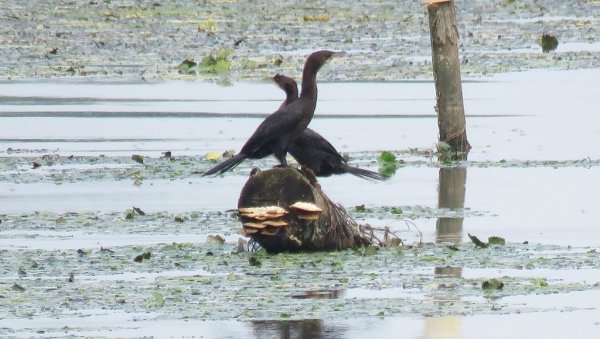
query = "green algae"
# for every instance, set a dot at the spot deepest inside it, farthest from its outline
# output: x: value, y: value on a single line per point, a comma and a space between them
x: 124, y: 40
x: 66, y: 169
x: 180, y: 281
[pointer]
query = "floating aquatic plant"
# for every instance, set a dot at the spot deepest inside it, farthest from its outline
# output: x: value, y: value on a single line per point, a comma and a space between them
x: 216, y: 63
x: 387, y: 164
x: 187, y: 67
x: 548, y: 42
x: 208, y: 26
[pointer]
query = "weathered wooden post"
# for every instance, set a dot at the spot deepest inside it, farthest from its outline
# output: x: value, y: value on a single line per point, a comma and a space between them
x: 446, y: 73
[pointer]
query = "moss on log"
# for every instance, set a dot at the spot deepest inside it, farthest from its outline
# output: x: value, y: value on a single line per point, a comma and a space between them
x: 316, y: 225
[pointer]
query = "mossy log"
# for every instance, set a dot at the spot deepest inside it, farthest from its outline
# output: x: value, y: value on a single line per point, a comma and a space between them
x: 285, y: 210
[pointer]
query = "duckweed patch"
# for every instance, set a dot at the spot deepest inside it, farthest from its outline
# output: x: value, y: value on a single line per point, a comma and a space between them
x: 70, y: 169
x: 150, y: 40
x: 180, y: 281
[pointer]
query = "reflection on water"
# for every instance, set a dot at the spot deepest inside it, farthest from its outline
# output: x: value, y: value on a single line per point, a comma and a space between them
x: 442, y: 328
x: 583, y: 323
x: 447, y: 271
x: 297, y: 329
x: 451, y: 195
x: 446, y: 327
x: 452, y: 186
x: 320, y: 294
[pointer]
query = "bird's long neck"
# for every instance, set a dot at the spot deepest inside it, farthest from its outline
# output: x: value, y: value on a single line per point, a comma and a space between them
x: 309, y: 80
x: 291, y: 93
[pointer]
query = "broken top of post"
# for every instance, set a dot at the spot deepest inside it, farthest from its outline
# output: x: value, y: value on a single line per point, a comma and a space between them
x: 446, y: 73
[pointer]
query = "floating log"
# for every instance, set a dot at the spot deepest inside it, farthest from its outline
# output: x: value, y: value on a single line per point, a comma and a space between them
x: 285, y: 210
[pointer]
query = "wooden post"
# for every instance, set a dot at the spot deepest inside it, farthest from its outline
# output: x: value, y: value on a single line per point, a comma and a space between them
x: 446, y: 73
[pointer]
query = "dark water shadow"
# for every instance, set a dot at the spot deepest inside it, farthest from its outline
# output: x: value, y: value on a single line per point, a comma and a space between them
x: 297, y: 329
x: 320, y: 294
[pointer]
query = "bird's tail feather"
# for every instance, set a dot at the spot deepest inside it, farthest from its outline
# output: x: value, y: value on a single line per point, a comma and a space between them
x: 363, y: 173
x: 226, y: 165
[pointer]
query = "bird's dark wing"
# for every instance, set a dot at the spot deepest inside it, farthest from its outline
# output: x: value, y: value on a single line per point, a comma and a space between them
x: 313, y: 142
x: 315, y: 152
x: 311, y: 150
x: 273, y: 127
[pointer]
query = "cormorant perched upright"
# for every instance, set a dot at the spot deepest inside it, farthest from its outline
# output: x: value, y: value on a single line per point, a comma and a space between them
x: 311, y: 150
x: 282, y: 127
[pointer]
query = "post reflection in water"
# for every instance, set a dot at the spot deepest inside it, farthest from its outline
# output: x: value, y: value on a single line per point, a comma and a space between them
x: 448, y: 327
x: 452, y: 187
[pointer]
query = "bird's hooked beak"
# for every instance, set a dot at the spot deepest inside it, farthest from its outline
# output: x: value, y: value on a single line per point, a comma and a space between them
x: 337, y: 54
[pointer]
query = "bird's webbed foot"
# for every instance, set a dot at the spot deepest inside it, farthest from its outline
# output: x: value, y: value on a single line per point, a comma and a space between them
x: 282, y: 162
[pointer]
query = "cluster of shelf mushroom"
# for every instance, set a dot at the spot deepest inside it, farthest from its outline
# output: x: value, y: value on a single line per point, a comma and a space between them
x: 270, y: 220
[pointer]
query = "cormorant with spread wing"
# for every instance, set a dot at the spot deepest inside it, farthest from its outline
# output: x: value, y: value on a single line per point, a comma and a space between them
x: 311, y: 150
x: 281, y: 128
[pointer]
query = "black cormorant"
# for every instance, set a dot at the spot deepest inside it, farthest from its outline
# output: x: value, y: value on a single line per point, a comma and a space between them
x: 282, y: 127
x: 311, y: 150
